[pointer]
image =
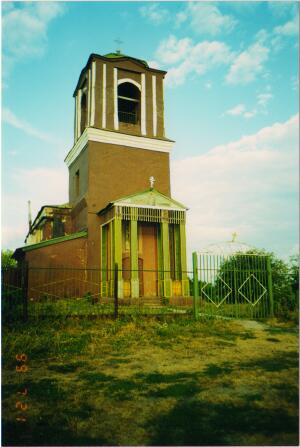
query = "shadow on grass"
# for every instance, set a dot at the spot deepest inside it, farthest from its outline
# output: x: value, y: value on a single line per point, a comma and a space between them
x: 189, y: 420
x: 47, y: 430
x: 66, y: 367
x: 282, y: 360
x: 213, y: 370
x: 195, y: 422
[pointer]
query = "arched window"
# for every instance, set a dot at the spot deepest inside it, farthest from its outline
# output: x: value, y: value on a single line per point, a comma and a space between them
x: 129, y: 99
x: 83, y: 113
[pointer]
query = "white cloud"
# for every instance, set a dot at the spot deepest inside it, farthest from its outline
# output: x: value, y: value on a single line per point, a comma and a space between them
x: 264, y: 98
x: 153, y: 64
x: 10, y: 118
x: 290, y: 28
x: 240, y: 110
x: 237, y: 110
x: 206, y: 18
x: 261, y: 106
x: 154, y: 13
x: 24, y: 29
x: 173, y: 50
x: 194, y: 58
x: 249, y: 186
x: 208, y: 85
x: 43, y: 186
x: 248, y: 64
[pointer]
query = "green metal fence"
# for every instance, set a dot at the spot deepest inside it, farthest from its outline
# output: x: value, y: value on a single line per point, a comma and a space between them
x: 235, y: 286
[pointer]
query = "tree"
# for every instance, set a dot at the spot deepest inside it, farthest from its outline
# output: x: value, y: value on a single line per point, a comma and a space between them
x: 235, y: 271
x: 7, y: 261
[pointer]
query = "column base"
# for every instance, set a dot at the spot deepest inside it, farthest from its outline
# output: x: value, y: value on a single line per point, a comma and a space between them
x: 135, y: 288
x: 167, y: 288
x: 185, y: 287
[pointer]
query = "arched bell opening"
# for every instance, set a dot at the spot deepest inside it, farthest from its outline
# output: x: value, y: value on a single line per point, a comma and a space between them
x: 129, y: 103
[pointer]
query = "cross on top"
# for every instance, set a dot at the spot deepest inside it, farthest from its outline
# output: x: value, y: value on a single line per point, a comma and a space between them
x: 118, y: 42
x: 152, y: 180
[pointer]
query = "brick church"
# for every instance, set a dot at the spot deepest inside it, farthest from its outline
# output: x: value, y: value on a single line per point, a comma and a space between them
x: 120, y: 208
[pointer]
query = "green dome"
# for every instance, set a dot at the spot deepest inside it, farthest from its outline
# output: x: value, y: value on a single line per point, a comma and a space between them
x: 119, y: 55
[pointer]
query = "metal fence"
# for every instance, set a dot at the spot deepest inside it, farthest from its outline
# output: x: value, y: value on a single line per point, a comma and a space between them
x: 43, y: 292
x: 235, y: 286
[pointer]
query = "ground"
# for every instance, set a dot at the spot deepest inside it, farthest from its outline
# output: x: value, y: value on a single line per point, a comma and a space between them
x: 148, y: 381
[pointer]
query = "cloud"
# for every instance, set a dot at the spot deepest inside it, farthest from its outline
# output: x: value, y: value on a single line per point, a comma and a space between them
x: 248, y: 65
x: 43, y: 186
x: 205, y: 18
x: 24, y: 29
x: 249, y: 186
x: 193, y: 58
x: 282, y: 9
x: 10, y: 118
x: 173, y: 50
x: 240, y: 110
x: 260, y: 108
x: 263, y: 99
x: 237, y: 110
x: 154, y: 13
x: 290, y: 28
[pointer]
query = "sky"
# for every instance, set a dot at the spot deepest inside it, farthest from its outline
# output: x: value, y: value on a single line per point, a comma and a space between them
x: 231, y: 105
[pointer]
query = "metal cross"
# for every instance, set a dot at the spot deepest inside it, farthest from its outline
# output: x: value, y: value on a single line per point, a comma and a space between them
x: 234, y: 236
x: 152, y: 180
x: 118, y: 42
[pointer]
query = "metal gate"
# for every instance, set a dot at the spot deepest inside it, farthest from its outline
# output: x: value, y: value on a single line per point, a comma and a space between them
x: 236, y: 286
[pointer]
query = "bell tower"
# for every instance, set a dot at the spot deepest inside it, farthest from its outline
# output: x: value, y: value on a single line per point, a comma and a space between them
x: 119, y: 137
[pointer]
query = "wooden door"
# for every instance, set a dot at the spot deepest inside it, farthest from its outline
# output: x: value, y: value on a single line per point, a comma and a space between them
x: 149, y: 256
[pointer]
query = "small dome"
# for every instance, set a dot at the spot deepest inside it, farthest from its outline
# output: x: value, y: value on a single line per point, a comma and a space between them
x: 227, y: 248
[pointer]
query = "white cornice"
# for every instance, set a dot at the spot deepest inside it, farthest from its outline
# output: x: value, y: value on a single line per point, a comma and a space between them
x: 118, y: 138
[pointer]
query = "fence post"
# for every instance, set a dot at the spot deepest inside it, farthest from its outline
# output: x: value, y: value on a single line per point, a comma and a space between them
x: 116, y: 290
x: 195, y: 285
x: 270, y: 286
x: 24, y: 285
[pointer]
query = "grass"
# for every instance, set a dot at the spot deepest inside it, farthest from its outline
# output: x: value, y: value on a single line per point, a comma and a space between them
x: 151, y: 381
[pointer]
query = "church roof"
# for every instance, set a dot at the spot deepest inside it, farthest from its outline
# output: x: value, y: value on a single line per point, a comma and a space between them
x: 120, y: 55
x: 151, y: 198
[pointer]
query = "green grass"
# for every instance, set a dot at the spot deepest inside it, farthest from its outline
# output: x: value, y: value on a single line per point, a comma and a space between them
x: 150, y: 381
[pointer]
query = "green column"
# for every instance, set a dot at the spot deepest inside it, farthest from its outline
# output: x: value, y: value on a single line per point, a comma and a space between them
x: 103, y: 254
x: 166, y: 258
x: 134, y: 256
x: 270, y: 287
x: 185, y: 281
x: 118, y: 253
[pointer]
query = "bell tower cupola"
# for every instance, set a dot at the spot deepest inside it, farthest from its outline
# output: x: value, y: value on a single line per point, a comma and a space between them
x: 122, y: 94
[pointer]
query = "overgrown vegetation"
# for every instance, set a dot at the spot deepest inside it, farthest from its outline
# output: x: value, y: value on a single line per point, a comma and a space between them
x: 151, y: 381
x: 7, y: 261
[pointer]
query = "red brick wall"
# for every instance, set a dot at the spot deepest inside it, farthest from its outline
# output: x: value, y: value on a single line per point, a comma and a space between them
x: 70, y: 253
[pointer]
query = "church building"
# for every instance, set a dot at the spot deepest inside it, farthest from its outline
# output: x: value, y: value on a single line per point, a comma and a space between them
x: 120, y: 208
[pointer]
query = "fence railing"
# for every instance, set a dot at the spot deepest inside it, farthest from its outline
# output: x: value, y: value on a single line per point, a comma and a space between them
x: 235, y: 286
x: 38, y: 292
x: 229, y: 287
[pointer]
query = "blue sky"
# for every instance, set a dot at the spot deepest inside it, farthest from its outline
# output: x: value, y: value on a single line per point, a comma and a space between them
x: 231, y: 104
